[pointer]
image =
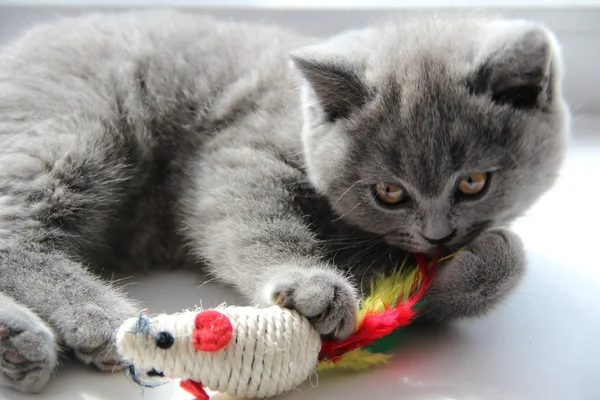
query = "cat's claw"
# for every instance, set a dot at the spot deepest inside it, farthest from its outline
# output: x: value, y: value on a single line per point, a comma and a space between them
x: 104, y: 357
x: 324, y: 297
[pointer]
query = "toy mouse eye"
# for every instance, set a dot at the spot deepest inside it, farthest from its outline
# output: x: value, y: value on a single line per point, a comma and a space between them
x: 164, y: 340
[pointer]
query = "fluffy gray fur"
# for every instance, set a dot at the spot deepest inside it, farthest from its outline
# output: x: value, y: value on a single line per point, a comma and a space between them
x: 157, y: 138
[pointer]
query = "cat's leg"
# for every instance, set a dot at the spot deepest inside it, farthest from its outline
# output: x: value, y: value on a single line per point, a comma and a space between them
x: 243, y: 220
x: 60, y: 189
x: 476, y: 279
x: 28, y: 348
x: 83, y: 311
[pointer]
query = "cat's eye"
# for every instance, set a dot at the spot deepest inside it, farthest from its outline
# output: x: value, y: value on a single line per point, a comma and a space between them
x: 390, y: 194
x: 474, y: 184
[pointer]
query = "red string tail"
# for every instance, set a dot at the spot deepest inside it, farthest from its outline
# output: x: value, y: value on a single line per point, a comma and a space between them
x: 195, y: 389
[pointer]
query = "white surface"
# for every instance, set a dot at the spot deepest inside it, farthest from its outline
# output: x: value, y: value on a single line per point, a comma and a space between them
x: 543, y: 343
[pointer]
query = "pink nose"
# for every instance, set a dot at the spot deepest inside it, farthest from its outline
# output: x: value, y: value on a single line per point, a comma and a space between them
x: 212, y: 332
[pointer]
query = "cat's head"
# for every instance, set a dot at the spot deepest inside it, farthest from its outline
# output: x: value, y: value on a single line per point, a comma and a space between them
x: 429, y: 132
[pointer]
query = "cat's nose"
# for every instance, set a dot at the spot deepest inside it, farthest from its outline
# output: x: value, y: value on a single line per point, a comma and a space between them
x: 442, y: 240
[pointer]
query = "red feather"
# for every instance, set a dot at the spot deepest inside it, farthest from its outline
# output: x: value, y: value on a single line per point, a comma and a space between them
x: 377, y: 325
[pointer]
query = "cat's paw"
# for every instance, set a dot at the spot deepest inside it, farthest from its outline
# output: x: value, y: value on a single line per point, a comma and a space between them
x: 28, y: 353
x: 322, y: 295
x: 91, y: 333
x: 478, y: 278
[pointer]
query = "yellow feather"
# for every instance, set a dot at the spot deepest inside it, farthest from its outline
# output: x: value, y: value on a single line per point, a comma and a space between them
x: 356, y: 360
x: 385, y: 292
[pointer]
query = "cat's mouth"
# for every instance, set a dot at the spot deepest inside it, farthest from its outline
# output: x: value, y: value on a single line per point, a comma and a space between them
x: 418, y: 246
x: 149, y: 379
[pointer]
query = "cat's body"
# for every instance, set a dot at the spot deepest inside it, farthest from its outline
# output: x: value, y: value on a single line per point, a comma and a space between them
x: 160, y: 139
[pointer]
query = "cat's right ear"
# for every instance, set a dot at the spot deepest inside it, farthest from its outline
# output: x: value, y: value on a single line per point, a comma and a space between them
x: 336, y: 83
x: 519, y: 65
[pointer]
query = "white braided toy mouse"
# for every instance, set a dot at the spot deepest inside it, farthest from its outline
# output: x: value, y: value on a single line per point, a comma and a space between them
x: 261, y: 352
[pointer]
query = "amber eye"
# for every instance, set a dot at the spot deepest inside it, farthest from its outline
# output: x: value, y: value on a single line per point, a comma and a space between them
x: 473, y: 184
x: 390, y: 194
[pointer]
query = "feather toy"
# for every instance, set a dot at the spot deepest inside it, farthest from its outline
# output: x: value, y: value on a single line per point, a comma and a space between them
x: 261, y: 352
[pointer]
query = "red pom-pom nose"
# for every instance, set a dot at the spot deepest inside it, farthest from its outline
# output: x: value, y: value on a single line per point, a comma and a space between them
x: 212, y: 332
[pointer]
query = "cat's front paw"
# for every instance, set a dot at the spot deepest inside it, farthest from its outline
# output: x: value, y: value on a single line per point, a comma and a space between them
x: 478, y: 278
x: 322, y: 295
x: 28, y: 353
x: 91, y: 334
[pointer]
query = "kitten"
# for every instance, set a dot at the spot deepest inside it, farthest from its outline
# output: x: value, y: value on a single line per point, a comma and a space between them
x: 291, y: 168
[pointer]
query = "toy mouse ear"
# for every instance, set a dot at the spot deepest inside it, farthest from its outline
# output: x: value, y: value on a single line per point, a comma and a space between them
x: 212, y: 332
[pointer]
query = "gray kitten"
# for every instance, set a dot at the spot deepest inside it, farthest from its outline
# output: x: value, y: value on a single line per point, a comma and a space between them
x: 291, y: 168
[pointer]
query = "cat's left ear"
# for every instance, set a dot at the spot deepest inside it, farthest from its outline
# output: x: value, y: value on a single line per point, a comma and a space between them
x: 519, y: 65
x: 336, y: 82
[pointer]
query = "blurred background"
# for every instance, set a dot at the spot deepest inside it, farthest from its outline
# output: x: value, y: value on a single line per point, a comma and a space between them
x: 576, y: 23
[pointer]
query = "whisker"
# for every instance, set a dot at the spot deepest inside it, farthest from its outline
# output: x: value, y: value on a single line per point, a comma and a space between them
x: 335, y: 246
x: 208, y: 281
x: 349, y: 211
x: 352, y: 246
x: 362, y: 279
x: 366, y: 255
x: 346, y: 191
x: 120, y: 279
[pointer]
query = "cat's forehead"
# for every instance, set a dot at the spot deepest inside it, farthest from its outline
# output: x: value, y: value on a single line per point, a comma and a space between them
x: 432, y: 132
x: 423, y: 47
x: 433, y: 116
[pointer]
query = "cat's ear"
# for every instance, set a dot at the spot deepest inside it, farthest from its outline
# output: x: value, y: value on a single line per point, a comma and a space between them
x: 517, y: 66
x: 336, y: 83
